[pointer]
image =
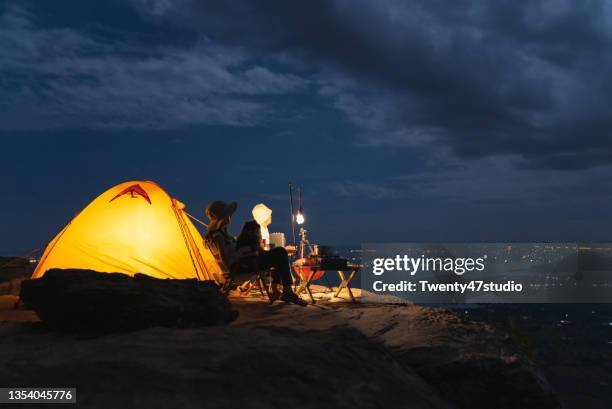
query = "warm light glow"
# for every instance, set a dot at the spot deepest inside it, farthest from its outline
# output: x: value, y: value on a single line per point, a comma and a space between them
x: 299, y: 218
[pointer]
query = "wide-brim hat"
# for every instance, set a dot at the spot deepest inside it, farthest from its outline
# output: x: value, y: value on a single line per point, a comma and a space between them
x: 219, y: 212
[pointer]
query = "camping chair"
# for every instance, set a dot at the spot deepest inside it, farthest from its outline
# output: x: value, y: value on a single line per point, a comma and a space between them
x: 259, y: 279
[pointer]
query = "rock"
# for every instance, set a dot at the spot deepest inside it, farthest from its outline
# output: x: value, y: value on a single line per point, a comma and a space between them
x: 14, y: 268
x: 8, y: 312
x: 469, y: 363
x: 85, y: 300
x: 483, y: 380
x: 217, y: 367
x: 11, y: 287
x: 330, y: 355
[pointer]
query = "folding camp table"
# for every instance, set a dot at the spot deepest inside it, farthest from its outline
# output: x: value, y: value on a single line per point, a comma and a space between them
x: 306, y: 280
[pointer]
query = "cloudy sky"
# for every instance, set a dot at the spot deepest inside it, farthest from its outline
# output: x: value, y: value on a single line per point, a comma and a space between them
x: 402, y: 120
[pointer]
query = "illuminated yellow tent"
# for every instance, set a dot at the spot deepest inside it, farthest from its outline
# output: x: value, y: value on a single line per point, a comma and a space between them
x: 134, y: 227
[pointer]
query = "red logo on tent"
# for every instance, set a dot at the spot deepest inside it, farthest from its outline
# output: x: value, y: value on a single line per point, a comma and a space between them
x: 133, y: 191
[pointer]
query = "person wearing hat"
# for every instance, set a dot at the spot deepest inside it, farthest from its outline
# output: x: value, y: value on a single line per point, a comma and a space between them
x: 224, y: 249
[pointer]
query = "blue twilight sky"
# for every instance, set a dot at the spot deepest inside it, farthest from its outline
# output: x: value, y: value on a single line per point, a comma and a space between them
x: 402, y: 120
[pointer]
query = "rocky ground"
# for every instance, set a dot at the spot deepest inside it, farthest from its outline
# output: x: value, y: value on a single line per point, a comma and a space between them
x: 327, y: 355
x: 13, y: 270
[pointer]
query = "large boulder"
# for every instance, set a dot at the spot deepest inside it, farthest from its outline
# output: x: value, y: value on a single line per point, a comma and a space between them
x: 85, y: 300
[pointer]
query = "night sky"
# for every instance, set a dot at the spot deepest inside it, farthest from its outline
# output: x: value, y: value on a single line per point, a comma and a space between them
x: 402, y: 120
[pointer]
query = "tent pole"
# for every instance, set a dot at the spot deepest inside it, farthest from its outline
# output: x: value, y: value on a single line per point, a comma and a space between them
x: 291, y: 213
x: 188, y: 244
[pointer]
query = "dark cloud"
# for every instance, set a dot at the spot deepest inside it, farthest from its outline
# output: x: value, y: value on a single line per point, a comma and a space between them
x: 357, y: 189
x: 470, y: 79
x: 475, y: 78
x: 58, y: 78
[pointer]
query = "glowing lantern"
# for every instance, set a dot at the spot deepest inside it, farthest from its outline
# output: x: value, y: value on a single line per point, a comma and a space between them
x: 299, y: 218
x: 263, y: 216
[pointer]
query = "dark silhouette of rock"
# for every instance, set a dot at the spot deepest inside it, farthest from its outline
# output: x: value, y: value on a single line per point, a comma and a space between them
x: 469, y: 363
x: 219, y: 367
x: 12, y: 268
x: 85, y: 300
x: 482, y: 380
